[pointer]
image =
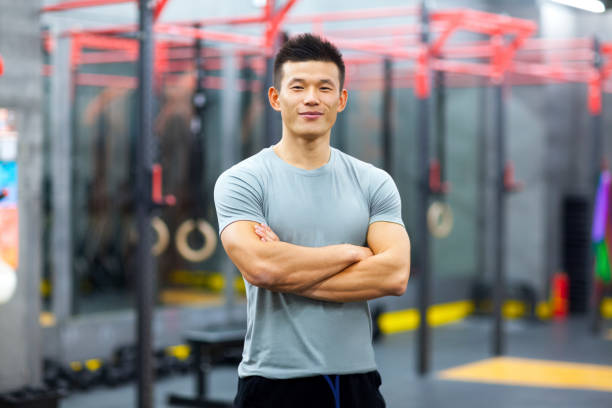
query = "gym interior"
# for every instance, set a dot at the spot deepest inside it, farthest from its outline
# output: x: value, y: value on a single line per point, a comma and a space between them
x: 118, y: 116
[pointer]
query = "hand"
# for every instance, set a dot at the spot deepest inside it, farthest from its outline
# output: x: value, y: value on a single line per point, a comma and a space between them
x: 363, y: 253
x: 265, y: 233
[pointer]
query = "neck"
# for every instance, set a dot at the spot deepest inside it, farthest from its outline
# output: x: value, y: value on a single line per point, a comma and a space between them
x: 307, y: 154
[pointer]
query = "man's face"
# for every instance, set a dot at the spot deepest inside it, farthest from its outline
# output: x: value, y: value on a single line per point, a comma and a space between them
x: 309, y: 98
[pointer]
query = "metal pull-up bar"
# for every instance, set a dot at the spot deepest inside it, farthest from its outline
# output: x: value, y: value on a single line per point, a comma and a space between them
x: 77, y: 4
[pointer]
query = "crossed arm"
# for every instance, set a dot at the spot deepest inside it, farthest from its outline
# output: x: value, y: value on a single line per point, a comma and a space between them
x: 338, y: 273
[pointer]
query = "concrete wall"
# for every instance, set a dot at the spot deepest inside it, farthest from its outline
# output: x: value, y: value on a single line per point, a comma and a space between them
x: 21, y: 91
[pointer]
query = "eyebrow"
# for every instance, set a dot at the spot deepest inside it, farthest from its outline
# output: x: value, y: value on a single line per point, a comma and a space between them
x: 321, y: 81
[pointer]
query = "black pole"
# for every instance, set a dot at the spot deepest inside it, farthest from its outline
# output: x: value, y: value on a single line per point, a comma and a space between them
x: 482, y: 206
x: 440, y: 112
x: 273, y: 125
x: 594, y: 288
x: 424, y: 335
x: 597, y: 125
x: 144, y: 160
x: 387, y: 115
x: 272, y: 134
x: 246, y: 145
x: 197, y: 166
x: 500, y: 225
x: 272, y: 130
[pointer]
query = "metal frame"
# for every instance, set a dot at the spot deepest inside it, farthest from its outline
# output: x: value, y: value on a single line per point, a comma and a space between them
x: 76, y: 4
x: 61, y: 167
x: 444, y: 57
x: 422, y: 90
x: 433, y: 51
x: 387, y: 116
x: 144, y: 206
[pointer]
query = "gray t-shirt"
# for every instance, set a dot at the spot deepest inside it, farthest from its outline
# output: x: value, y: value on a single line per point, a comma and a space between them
x: 289, y: 335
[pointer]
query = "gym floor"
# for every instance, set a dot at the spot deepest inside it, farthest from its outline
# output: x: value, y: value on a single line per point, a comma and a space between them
x: 556, y: 365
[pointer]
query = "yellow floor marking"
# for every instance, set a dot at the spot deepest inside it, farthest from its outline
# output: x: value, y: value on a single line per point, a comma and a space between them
x: 46, y: 319
x: 446, y: 313
x: 404, y: 320
x: 437, y: 315
x: 513, y: 309
x: 189, y: 297
x: 534, y: 373
x: 398, y: 321
x: 544, y: 310
x: 606, y: 308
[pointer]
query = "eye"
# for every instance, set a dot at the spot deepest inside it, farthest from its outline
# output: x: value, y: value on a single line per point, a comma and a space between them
x: 297, y: 87
x: 326, y: 88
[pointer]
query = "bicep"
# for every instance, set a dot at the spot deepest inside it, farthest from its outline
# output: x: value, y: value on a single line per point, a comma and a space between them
x: 242, y: 246
x: 238, y: 197
x: 388, y: 236
x: 384, y: 199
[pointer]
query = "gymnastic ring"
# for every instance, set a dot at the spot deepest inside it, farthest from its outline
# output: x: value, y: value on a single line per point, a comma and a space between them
x: 210, y: 240
x: 163, y: 236
x: 440, y: 219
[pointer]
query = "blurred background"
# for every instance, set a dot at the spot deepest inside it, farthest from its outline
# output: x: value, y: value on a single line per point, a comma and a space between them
x: 493, y: 117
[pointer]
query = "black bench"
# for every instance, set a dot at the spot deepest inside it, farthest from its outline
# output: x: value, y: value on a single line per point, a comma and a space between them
x: 211, y: 346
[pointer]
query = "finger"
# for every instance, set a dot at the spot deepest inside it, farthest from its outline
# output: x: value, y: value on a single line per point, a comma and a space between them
x: 270, y: 233
x: 267, y: 236
x: 262, y: 234
x: 259, y: 230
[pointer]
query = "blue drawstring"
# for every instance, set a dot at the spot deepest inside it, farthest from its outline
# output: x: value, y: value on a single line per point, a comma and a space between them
x: 335, y: 390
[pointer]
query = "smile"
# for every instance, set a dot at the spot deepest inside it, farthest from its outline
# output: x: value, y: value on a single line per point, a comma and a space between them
x: 311, y: 115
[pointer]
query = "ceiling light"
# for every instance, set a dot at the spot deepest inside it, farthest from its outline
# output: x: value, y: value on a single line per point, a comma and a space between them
x: 594, y: 6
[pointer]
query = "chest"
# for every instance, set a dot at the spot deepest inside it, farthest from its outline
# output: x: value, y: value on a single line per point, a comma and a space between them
x: 317, y: 211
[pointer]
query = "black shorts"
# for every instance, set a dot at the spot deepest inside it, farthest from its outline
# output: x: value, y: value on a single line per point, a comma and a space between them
x: 356, y: 391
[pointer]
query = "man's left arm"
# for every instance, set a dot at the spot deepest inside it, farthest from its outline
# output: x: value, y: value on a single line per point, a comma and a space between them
x: 384, y: 274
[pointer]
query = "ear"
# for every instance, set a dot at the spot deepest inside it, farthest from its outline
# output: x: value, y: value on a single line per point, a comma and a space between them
x: 273, y: 98
x: 343, y: 100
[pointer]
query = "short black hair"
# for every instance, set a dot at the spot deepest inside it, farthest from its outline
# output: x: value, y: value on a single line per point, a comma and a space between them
x: 307, y: 47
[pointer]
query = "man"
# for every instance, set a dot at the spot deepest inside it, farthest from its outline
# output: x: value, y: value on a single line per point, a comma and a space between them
x: 295, y: 219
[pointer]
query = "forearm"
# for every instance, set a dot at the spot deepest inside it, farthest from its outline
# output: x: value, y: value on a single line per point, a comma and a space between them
x: 285, y: 267
x: 377, y: 276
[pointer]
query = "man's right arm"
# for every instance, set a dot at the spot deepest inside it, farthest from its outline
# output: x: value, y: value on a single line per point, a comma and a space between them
x: 283, y: 267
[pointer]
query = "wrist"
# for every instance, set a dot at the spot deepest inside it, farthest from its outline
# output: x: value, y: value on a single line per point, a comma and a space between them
x: 353, y: 253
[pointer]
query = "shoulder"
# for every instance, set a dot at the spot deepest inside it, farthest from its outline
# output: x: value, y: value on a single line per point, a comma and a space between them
x: 364, y: 170
x: 250, y: 170
x: 348, y: 160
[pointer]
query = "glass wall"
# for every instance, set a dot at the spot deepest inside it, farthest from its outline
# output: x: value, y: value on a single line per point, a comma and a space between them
x: 190, y: 260
x: 104, y: 119
x: 454, y: 256
x: 104, y: 127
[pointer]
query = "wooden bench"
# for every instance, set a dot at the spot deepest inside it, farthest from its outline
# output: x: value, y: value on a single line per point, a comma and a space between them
x: 210, y: 346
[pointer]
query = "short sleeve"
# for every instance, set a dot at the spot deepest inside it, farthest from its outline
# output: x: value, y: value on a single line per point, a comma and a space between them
x: 385, y: 202
x: 238, y: 197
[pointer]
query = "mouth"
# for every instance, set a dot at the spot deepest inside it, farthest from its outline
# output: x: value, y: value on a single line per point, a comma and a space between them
x: 311, y: 115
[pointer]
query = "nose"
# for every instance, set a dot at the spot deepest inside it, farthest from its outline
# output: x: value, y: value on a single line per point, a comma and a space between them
x: 311, y: 97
